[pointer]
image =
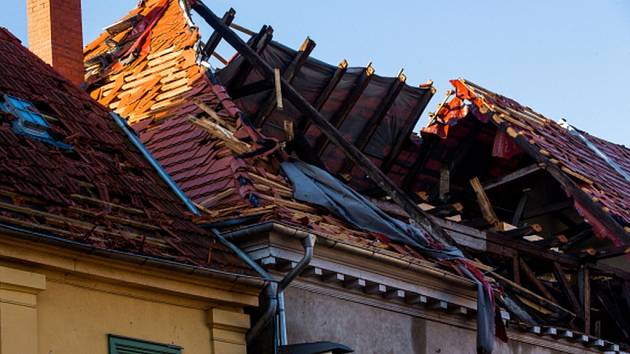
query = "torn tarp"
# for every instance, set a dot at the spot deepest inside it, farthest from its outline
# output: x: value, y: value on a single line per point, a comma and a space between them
x: 316, y: 186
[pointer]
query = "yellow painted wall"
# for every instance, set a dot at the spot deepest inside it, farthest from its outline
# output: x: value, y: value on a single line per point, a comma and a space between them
x: 72, y: 319
x: 54, y: 301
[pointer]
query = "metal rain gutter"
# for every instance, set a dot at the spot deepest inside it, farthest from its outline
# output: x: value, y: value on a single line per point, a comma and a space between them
x: 131, y: 257
x: 156, y: 165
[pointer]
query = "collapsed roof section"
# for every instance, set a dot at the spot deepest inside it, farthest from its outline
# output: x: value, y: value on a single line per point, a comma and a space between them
x: 374, y: 113
x: 590, y: 176
x: 69, y: 172
x: 195, y: 131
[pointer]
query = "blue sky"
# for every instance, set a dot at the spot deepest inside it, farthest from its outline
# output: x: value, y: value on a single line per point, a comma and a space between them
x: 565, y: 58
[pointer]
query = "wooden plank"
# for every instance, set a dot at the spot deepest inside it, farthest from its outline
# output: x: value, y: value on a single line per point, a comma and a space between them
x: 215, y: 38
x: 378, y: 177
x: 522, y: 231
x: 525, y: 171
x: 348, y: 104
x: 529, y: 273
x: 267, y: 107
x: 565, y: 287
x: 484, y: 204
x: 548, y: 208
x: 278, y: 87
x: 516, y: 269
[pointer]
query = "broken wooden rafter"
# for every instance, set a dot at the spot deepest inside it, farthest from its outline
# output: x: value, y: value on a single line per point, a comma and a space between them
x: 520, y: 208
x: 301, y: 104
x: 215, y: 38
x: 484, y: 204
x: 268, y: 106
x: 567, y: 183
x: 525, y: 171
x: 348, y: 104
x: 259, y: 43
x: 278, y: 87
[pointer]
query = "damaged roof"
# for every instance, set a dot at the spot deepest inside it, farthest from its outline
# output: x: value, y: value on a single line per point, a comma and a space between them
x: 375, y: 113
x: 192, y: 127
x: 595, y: 172
x: 76, y: 175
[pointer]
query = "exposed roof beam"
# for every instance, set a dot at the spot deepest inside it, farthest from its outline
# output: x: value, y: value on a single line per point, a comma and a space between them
x: 259, y: 43
x: 348, y: 104
x: 374, y: 122
x: 215, y: 38
x: 323, y: 96
x: 525, y: 171
x: 301, y: 104
x: 289, y: 74
x: 251, y: 89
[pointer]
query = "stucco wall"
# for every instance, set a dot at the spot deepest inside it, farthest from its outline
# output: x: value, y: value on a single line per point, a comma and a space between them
x: 369, y: 329
x: 77, y: 320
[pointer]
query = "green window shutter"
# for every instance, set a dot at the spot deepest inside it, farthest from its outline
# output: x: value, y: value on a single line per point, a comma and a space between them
x: 124, y: 345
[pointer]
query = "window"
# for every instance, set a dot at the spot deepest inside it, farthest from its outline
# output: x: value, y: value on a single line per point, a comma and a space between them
x: 30, y: 121
x: 124, y: 345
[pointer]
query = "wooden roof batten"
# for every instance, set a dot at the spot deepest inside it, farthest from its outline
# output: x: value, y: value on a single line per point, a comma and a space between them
x: 329, y: 130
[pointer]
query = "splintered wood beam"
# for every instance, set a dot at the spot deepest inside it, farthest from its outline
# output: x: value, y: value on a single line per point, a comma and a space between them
x: 259, y: 43
x: 484, y: 204
x: 348, y: 104
x: 301, y: 104
x: 269, y: 103
x: 529, y: 273
x: 525, y: 171
x: 404, y: 136
x: 375, y: 120
x: 278, y: 86
x: 215, y: 38
x: 565, y: 287
x: 323, y: 96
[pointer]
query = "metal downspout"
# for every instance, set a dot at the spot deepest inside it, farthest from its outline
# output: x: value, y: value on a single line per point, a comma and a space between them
x: 308, y: 243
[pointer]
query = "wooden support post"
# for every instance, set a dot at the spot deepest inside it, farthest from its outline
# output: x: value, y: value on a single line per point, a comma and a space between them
x: 270, y: 102
x: 532, y: 277
x: 520, y: 208
x: 215, y: 38
x: 565, y: 287
x: 484, y: 204
x: 516, y: 269
x: 348, y: 104
x: 584, y: 287
x: 378, y: 177
x: 525, y: 171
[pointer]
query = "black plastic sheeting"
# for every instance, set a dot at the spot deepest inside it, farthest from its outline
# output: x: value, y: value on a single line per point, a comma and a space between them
x: 310, y: 81
x: 316, y: 186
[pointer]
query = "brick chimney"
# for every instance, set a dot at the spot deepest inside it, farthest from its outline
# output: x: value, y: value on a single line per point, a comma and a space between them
x: 55, y: 35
